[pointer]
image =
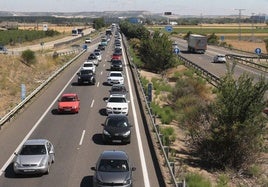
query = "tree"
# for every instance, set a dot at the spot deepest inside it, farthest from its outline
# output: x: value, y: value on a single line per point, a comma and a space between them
x: 237, y: 127
x: 98, y: 23
x: 28, y: 56
x: 156, y: 53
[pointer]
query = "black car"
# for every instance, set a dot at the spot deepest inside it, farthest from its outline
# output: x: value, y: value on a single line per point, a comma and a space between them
x: 113, y: 168
x: 86, y: 76
x: 116, y: 65
x: 101, y: 47
x: 118, y: 89
x: 92, y: 56
x: 116, y: 129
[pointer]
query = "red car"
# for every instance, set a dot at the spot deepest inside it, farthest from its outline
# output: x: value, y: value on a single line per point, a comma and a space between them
x: 116, y: 56
x: 69, y: 103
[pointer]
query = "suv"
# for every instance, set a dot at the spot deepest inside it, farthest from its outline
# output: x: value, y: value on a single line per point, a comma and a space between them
x: 117, y: 104
x: 113, y: 168
x: 116, y: 65
x: 115, y: 77
x: 89, y: 65
x: 87, y: 76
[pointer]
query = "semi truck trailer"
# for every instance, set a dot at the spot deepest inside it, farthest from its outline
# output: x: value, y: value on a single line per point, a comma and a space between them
x: 197, y: 43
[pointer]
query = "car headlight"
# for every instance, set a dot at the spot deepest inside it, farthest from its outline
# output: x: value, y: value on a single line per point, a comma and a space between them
x: 124, y: 108
x: 126, y: 133
x: 99, y: 181
x: 106, y: 133
x: 16, y: 164
x: 127, y: 182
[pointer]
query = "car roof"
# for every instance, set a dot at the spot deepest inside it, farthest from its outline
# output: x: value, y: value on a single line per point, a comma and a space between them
x: 117, y: 155
x: 69, y: 95
x: 35, y: 142
x: 117, y: 95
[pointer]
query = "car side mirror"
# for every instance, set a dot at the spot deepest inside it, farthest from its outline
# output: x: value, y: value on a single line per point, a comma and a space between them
x: 78, y: 74
x: 93, y: 168
x: 51, y: 152
x: 16, y: 154
x: 102, y: 124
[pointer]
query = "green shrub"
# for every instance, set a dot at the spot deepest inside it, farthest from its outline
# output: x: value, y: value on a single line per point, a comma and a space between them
x: 28, y: 56
x: 196, y: 180
x: 168, y: 135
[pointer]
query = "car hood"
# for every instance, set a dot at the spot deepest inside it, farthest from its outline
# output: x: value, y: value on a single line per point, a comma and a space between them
x: 117, y: 105
x: 113, y: 177
x: 68, y: 104
x: 115, y: 78
x: 116, y: 130
x: 31, y: 159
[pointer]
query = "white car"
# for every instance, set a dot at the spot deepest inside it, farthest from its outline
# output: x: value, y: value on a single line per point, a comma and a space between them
x: 219, y: 58
x: 88, y: 40
x: 98, y: 55
x: 117, y: 104
x: 89, y: 65
x: 115, y: 77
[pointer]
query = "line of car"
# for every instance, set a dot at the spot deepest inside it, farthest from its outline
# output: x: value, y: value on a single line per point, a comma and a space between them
x: 113, y: 168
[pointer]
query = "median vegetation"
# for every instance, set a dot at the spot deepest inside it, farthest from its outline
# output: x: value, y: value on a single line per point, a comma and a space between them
x: 225, y: 127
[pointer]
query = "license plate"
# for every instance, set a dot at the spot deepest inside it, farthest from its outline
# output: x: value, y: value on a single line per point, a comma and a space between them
x: 117, y: 141
x: 28, y: 170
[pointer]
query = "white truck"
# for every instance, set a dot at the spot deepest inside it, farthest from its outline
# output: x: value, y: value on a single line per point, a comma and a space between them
x: 197, y: 43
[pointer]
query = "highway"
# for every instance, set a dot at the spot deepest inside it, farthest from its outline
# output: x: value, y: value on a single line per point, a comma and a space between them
x: 76, y: 137
x: 218, y: 69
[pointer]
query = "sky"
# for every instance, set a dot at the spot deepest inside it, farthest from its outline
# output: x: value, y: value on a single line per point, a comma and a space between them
x: 180, y: 7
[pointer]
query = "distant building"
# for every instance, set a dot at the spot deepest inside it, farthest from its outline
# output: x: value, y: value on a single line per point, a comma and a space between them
x: 134, y: 20
x: 259, y: 18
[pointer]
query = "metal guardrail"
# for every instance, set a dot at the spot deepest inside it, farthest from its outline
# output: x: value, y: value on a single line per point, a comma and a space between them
x: 10, y: 114
x: 211, y: 78
x: 243, y: 60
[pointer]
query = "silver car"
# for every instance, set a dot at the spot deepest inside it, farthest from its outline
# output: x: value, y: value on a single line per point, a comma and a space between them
x: 219, y: 58
x: 35, y: 157
x: 113, y: 169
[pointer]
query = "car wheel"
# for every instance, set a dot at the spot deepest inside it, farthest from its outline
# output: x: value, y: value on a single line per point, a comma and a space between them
x: 48, y: 169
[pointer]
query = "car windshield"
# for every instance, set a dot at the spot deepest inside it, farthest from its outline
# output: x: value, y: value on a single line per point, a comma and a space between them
x: 68, y: 99
x: 117, y: 62
x: 117, y: 100
x: 115, y: 122
x: 86, y: 72
x: 33, y: 150
x: 111, y: 165
x: 117, y: 89
x: 88, y: 65
x: 115, y: 75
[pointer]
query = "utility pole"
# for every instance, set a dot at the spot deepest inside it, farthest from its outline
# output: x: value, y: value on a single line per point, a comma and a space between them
x: 252, y: 26
x: 239, y: 23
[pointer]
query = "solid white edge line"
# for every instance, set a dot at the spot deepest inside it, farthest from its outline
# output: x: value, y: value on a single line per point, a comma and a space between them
x: 138, y: 135
x: 34, y: 127
x: 82, y: 137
